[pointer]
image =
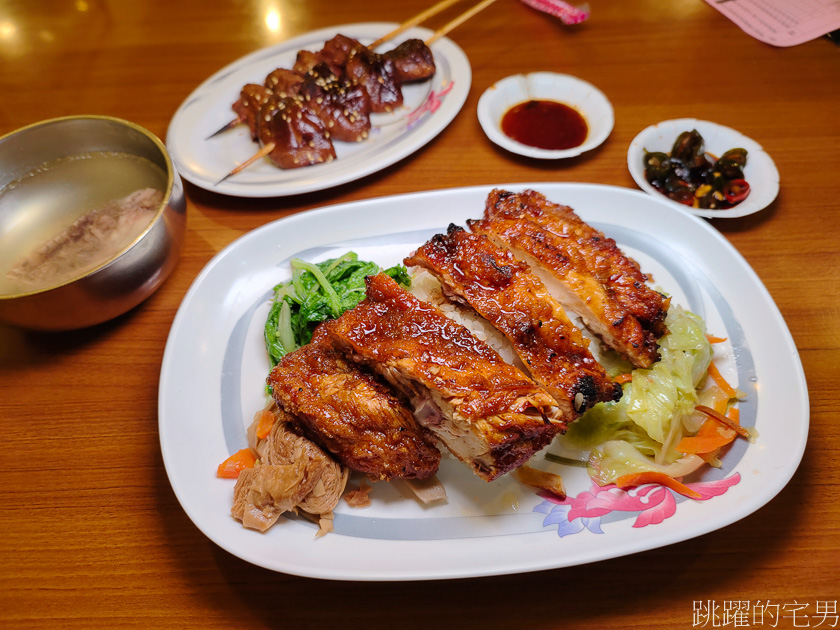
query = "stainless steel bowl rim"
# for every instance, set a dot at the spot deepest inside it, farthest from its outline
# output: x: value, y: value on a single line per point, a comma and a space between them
x: 170, y: 181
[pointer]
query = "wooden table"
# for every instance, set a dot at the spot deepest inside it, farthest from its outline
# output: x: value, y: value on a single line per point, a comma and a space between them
x: 91, y: 534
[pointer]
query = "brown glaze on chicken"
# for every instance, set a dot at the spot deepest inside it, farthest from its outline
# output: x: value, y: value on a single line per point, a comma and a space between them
x: 378, y: 75
x: 506, y: 293
x: 488, y: 413
x: 344, y: 107
x: 596, y: 280
x: 283, y: 82
x: 351, y: 414
x: 248, y: 105
x: 413, y: 61
x: 298, y: 134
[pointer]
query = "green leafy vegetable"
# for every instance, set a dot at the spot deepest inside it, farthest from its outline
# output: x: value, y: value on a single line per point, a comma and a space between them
x: 648, y: 419
x: 316, y: 293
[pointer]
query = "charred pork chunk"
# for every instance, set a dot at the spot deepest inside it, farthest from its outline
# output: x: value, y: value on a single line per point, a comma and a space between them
x: 247, y: 107
x: 589, y: 273
x: 413, y: 61
x: 284, y: 82
x: 505, y: 292
x: 488, y: 413
x: 297, y: 133
x: 344, y: 107
x: 351, y: 414
x: 378, y: 75
x: 292, y: 473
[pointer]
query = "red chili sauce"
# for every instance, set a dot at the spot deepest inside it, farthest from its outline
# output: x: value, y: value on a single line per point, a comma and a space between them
x: 545, y: 125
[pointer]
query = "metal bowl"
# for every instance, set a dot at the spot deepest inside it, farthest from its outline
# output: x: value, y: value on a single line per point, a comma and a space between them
x: 126, y: 279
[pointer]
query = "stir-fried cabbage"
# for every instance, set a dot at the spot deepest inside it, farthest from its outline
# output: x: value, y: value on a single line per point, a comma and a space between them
x: 643, y: 426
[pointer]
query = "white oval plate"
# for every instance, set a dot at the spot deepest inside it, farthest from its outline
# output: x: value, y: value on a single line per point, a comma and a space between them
x: 429, y: 106
x: 213, y: 378
x: 588, y: 100
x: 760, y: 172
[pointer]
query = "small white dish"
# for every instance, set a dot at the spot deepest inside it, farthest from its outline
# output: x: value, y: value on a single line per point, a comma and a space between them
x: 760, y: 171
x: 588, y: 100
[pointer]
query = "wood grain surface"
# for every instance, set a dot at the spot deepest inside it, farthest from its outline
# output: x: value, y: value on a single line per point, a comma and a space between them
x: 91, y: 534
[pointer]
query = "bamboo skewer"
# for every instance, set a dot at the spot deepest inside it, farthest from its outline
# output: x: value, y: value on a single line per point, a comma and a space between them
x: 412, y: 22
x: 264, y: 150
x: 466, y: 15
x: 441, y: 32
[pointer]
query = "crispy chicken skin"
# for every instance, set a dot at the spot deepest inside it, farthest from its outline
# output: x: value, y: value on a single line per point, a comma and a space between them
x: 506, y: 293
x: 488, y: 413
x: 597, y: 281
x: 351, y: 414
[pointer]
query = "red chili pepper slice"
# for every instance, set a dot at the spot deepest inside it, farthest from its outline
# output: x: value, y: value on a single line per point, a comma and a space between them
x: 736, y: 190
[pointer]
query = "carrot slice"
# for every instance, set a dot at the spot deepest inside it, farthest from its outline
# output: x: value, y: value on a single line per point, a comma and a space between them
x: 721, y: 382
x: 637, y: 479
x: 623, y: 378
x: 265, y: 423
x: 710, y: 437
x: 236, y: 463
x: 713, y: 339
x: 729, y: 422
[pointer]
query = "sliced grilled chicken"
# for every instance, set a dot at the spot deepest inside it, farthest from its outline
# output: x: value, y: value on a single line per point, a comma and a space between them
x: 351, y: 414
x: 514, y: 300
x: 488, y: 413
x: 591, y: 276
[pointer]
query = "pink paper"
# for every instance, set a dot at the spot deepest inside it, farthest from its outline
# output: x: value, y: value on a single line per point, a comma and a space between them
x: 782, y: 22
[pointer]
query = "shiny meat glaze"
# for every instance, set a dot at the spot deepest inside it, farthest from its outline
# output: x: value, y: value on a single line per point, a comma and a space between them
x: 505, y: 292
x: 351, y: 414
x: 488, y: 413
x: 298, y: 134
x: 344, y: 107
x: 597, y: 281
x: 413, y: 61
x: 248, y: 105
x: 283, y: 82
x: 378, y: 75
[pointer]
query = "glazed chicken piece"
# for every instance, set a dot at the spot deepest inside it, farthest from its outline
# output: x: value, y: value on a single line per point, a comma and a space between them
x: 297, y: 133
x: 378, y: 75
x: 488, y: 413
x: 351, y: 414
x: 344, y: 107
x: 413, y: 61
x: 292, y: 473
x: 335, y: 54
x: 591, y: 275
x: 248, y: 105
x: 283, y: 82
x: 504, y: 291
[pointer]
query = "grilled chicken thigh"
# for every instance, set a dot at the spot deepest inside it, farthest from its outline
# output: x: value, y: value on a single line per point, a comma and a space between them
x: 596, y: 280
x: 505, y: 292
x: 488, y: 413
x: 351, y: 414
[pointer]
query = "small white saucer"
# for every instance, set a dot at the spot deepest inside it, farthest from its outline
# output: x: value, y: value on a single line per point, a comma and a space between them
x: 760, y: 171
x: 588, y: 100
